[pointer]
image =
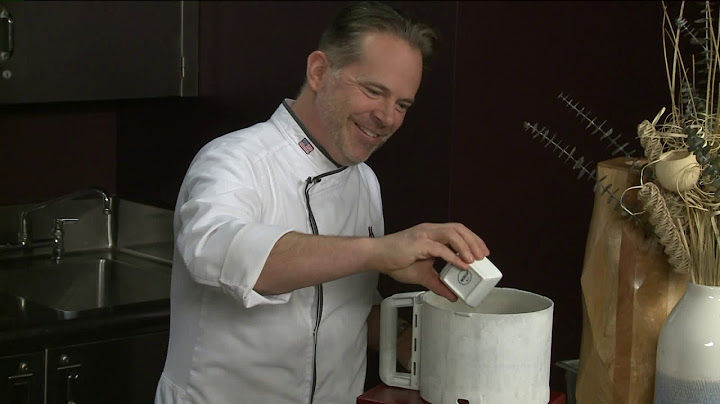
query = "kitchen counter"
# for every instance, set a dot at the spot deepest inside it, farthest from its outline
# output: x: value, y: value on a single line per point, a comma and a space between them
x: 26, y: 324
x: 33, y: 327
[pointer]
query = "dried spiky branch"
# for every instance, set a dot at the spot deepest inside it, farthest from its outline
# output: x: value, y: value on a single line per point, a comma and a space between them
x: 568, y: 155
x: 578, y: 163
x: 597, y: 128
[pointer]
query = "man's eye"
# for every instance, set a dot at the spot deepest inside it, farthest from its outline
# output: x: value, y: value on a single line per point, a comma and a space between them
x: 374, y: 91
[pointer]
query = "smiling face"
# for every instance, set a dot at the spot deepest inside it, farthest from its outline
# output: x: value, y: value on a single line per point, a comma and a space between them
x: 360, y: 106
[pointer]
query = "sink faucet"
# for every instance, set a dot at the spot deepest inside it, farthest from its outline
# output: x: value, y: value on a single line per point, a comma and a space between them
x: 23, y: 234
x: 58, y: 240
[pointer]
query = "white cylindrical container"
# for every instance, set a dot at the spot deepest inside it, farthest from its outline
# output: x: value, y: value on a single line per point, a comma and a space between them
x: 498, y: 352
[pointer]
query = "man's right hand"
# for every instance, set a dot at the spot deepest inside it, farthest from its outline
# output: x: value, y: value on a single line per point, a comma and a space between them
x: 408, y: 256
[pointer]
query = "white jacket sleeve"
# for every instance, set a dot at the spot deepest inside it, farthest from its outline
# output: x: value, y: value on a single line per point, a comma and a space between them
x: 218, y: 231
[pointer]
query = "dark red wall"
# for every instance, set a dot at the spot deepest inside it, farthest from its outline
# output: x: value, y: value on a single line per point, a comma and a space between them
x: 51, y: 150
x: 512, y: 60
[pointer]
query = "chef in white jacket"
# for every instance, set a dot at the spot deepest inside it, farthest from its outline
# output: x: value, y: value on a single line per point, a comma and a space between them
x: 279, y: 231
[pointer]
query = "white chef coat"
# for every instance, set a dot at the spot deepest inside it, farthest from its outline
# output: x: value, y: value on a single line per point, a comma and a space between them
x: 229, y: 344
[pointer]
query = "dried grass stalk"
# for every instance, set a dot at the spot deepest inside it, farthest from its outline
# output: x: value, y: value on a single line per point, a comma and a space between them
x: 686, y: 221
x: 704, y: 238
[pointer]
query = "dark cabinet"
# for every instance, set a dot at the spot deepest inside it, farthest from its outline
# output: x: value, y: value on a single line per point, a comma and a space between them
x: 123, y: 370
x: 22, y: 378
x: 97, y: 50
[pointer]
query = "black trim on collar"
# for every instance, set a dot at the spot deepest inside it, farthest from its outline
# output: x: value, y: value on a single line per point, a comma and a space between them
x: 307, y: 133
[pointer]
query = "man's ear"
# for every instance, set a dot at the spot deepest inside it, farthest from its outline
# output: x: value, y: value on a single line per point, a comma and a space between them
x: 318, y: 65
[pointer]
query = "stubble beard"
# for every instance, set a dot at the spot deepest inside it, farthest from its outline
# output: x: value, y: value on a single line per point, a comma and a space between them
x: 335, y: 116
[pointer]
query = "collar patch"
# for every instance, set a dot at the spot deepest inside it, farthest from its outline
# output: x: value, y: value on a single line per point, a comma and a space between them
x: 306, y: 145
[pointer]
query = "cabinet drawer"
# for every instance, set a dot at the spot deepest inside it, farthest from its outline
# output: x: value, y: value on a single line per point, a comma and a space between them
x: 22, y: 378
x: 119, y: 371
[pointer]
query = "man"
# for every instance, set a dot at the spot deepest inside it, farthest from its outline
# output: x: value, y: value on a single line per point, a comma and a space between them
x: 280, y: 233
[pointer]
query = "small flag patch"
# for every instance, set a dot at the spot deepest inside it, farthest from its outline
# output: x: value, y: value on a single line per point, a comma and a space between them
x: 306, y: 146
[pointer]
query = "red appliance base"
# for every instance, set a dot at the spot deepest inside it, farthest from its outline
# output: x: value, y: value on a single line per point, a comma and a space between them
x: 383, y: 394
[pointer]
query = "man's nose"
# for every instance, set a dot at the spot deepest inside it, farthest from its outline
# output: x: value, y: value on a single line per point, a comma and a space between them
x: 384, y: 114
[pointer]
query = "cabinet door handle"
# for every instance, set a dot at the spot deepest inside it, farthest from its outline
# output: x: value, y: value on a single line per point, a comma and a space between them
x: 5, y: 18
x: 72, y: 377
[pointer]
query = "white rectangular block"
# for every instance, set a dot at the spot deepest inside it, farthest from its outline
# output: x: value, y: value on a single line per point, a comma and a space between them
x: 474, y: 284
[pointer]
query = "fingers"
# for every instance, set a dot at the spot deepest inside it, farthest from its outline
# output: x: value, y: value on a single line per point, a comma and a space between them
x: 442, y: 251
x: 478, y: 249
x: 468, y: 245
x: 411, y: 253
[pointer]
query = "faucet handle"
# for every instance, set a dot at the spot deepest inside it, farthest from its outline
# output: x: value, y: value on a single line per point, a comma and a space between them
x: 60, y: 222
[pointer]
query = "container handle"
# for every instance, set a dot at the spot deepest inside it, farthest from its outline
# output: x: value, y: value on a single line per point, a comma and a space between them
x: 388, y: 340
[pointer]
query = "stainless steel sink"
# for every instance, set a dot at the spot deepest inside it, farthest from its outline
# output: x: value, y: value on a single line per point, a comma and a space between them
x: 85, y: 282
x: 17, y: 311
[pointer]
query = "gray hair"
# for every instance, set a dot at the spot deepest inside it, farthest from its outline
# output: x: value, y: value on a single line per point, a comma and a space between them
x: 342, y: 39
